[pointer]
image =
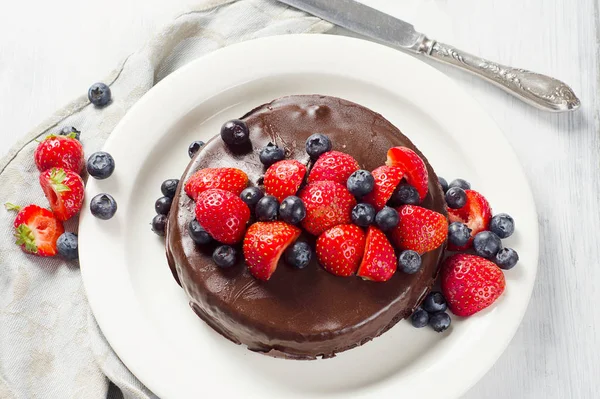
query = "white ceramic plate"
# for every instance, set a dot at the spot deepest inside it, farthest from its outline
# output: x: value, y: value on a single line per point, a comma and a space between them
x: 145, y: 315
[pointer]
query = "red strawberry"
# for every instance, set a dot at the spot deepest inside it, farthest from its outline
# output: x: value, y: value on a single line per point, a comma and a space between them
x: 379, y: 260
x: 476, y: 214
x: 327, y: 204
x: 335, y: 166
x: 470, y: 283
x: 59, y: 152
x: 419, y: 229
x: 37, y: 229
x: 340, y: 249
x: 263, y: 245
x: 64, y: 190
x: 284, y: 178
x: 228, y: 179
x: 413, y: 166
x: 386, y: 180
x: 222, y: 214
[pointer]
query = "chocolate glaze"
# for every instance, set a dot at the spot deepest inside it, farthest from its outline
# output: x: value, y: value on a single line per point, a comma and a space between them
x: 309, y: 313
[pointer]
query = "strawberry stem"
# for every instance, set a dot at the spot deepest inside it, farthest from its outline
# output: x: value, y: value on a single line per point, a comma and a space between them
x: 25, y: 237
x: 12, y: 207
x: 57, y: 177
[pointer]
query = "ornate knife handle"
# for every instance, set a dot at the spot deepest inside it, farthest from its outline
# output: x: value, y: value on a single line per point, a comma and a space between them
x: 538, y: 90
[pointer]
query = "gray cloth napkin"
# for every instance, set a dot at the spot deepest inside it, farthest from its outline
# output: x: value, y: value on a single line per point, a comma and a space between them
x: 50, y: 344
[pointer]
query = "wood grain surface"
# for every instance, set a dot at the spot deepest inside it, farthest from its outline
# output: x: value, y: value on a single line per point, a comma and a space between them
x: 51, y: 51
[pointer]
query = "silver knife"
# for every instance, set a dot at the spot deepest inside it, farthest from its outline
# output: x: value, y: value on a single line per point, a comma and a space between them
x: 539, y: 90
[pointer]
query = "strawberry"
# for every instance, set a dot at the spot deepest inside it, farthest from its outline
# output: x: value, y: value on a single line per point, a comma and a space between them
x: 284, y: 178
x: 222, y: 214
x: 36, y: 229
x: 413, y: 166
x: 379, y: 260
x: 419, y: 229
x: 327, y: 204
x: 476, y: 214
x: 335, y: 166
x: 263, y: 245
x: 386, y: 180
x: 340, y: 249
x: 228, y: 179
x: 470, y: 283
x: 60, y: 152
x: 64, y: 190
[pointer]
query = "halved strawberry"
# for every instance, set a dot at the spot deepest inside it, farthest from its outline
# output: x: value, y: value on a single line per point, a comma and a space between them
x: 476, y: 214
x: 413, y: 166
x: 222, y: 214
x: 64, y: 190
x: 419, y: 229
x: 228, y: 179
x: 335, y: 166
x: 386, y: 180
x: 284, y: 178
x: 36, y: 229
x: 379, y: 260
x: 340, y: 249
x: 264, y: 244
x: 327, y: 204
x: 60, y: 152
x: 470, y: 283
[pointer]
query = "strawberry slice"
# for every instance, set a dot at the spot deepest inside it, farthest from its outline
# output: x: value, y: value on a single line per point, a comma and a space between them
x: 470, y: 283
x: 413, y: 166
x: 386, y: 180
x: 60, y: 152
x: 340, y: 249
x: 379, y: 260
x: 228, y: 179
x: 222, y: 214
x: 335, y: 166
x: 419, y: 229
x: 64, y: 190
x: 264, y: 244
x: 284, y: 178
x: 327, y: 204
x: 36, y: 229
x: 476, y: 214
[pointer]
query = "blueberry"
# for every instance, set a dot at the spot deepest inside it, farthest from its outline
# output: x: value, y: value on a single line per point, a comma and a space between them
x: 360, y: 183
x: 224, y: 256
x: 267, y: 208
x: 251, y: 196
x: 169, y: 187
x: 68, y: 130
x: 103, y: 206
x: 271, y: 154
x: 439, y: 321
x: 443, y: 183
x: 363, y: 214
x: 317, y: 144
x: 405, y: 194
x: 99, y: 94
x: 163, y: 205
x: 465, y: 185
x: 506, y: 258
x: 502, y: 225
x: 195, y: 147
x: 235, y: 132
x: 456, y: 197
x: 100, y: 165
x: 159, y: 223
x: 198, y: 234
x: 487, y: 244
x: 68, y: 246
x: 435, y: 302
x: 387, y: 218
x: 298, y: 255
x: 292, y: 210
x: 458, y: 234
x: 409, y: 261
x: 419, y: 318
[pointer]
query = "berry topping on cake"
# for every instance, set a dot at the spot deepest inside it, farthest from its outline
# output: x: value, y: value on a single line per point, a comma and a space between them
x: 476, y: 214
x: 198, y: 234
x: 284, y: 178
x: 298, y: 255
x: 409, y: 261
x: 363, y: 215
x: 420, y: 229
x: 251, y: 196
x: 413, y: 166
x: 59, y: 152
x: 224, y: 256
x: 327, y: 204
x: 222, y: 214
x: 228, y: 179
x: 340, y: 249
x: 334, y: 166
x: 317, y: 144
x: 405, y: 194
x: 271, y: 154
x: 235, y: 133
x: 292, y: 210
x: 267, y: 209
x: 379, y: 261
x: 387, y: 218
x: 64, y: 190
x: 456, y: 198
x: 360, y: 183
x: 386, y: 180
x: 37, y: 229
x: 462, y: 183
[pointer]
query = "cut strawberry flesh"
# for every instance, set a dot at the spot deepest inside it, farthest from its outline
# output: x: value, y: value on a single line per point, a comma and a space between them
x: 413, y: 166
x: 476, y: 214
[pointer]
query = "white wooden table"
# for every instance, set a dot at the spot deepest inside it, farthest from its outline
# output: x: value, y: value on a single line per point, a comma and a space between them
x: 51, y: 51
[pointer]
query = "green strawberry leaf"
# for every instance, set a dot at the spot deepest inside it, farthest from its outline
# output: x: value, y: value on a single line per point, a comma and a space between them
x: 57, y: 177
x: 12, y: 207
x: 25, y: 237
